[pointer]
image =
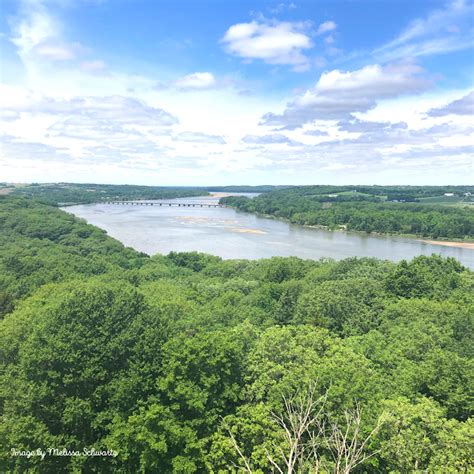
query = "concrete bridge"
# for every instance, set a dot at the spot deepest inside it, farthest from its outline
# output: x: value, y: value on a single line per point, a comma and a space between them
x: 163, y: 204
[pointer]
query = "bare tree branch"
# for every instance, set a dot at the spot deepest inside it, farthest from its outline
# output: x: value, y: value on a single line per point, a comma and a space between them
x: 247, y: 467
x: 307, y: 434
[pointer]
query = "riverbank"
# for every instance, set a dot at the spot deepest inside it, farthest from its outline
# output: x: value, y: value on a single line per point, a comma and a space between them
x: 469, y: 245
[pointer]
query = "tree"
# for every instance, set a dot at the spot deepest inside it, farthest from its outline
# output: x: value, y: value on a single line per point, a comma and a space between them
x: 308, y: 435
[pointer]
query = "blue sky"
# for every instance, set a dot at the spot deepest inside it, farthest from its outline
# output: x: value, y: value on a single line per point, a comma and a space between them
x: 237, y: 92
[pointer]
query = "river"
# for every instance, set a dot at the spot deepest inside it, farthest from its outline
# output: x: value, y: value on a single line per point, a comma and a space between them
x: 232, y: 234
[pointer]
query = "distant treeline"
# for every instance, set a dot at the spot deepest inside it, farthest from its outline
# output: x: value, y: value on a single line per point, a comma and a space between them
x: 245, y: 189
x: 389, y: 193
x: 362, y: 209
x: 66, y: 193
x: 60, y: 194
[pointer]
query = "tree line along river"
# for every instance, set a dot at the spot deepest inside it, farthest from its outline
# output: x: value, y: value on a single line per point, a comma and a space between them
x: 230, y: 234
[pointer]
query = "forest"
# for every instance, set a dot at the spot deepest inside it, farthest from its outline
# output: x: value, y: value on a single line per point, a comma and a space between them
x: 63, y: 194
x: 187, y: 363
x: 424, y: 211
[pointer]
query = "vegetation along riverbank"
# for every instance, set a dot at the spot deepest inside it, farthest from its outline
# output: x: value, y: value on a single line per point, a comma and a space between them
x: 402, y: 210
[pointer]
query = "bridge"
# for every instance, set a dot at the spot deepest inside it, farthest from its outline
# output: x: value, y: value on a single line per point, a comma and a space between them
x: 164, y: 204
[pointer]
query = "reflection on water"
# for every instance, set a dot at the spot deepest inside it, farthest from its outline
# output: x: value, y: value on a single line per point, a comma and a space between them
x: 232, y: 234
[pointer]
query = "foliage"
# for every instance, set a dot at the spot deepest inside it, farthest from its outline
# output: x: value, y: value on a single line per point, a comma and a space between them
x: 168, y: 360
x: 61, y: 194
x: 381, y: 209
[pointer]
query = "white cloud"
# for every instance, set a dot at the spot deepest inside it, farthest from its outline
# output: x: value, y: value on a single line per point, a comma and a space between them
x: 386, y: 151
x: 373, y: 80
x: 77, y: 119
x: 116, y: 109
x: 281, y: 7
x: 274, y: 42
x: 329, y: 39
x: 196, y: 81
x: 362, y: 126
x: 112, y: 129
x: 198, y: 137
x: 442, y: 31
x: 316, y: 133
x: 338, y: 94
x: 94, y: 66
x: 56, y: 51
x: 269, y: 139
x: 38, y: 35
x: 462, y: 106
x: 9, y: 115
x: 326, y: 27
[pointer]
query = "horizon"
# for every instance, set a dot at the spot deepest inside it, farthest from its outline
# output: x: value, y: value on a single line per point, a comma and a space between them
x: 267, y: 91
x: 29, y: 183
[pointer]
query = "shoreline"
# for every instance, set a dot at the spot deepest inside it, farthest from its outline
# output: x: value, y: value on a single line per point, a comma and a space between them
x: 469, y: 245
x: 446, y: 243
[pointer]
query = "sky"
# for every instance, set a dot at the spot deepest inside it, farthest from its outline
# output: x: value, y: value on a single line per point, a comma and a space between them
x: 214, y: 92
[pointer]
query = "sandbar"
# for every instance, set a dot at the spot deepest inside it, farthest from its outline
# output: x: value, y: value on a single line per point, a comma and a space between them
x: 461, y: 245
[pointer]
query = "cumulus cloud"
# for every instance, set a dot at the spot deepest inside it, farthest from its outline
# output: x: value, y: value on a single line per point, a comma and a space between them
x: 338, y: 94
x: 386, y: 136
x: 112, y: 129
x: 316, y: 133
x: 197, y: 137
x: 116, y: 109
x: 112, y: 137
x: 270, y: 139
x: 196, y: 81
x: 28, y: 150
x: 386, y: 148
x: 86, y: 128
x: 326, y: 27
x: 462, y: 106
x: 362, y: 126
x: 274, y: 42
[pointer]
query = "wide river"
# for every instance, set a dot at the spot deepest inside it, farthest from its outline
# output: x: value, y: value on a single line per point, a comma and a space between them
x: 233, y: 234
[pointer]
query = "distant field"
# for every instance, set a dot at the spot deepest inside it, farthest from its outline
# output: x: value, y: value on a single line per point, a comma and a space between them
x: 455, y: 201
x: 443, y: 200
x: 354, y: 193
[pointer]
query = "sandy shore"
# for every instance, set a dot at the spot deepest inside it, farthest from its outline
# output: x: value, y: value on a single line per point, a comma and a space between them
x: 219, y: 195
x: 461, y: 245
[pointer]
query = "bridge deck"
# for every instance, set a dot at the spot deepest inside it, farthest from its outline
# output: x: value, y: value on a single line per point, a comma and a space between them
x: 165, y: 204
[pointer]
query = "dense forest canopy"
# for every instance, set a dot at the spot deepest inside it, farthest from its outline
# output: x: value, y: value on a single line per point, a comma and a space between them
x: 187, y: 363
x: 427, y: 211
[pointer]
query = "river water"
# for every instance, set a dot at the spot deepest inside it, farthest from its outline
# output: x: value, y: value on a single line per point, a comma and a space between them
x: 232, y: 234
